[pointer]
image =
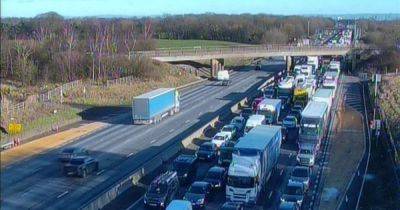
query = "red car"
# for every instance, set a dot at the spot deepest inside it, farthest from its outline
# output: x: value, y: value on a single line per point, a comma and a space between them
x: 256, y: 102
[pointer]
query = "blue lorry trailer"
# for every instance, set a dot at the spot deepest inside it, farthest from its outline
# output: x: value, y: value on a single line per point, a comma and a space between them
x: 151, y: 107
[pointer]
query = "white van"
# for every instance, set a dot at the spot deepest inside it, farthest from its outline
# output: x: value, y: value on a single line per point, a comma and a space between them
x: 179, y: 205
x: 223, y: 76
x: 253, y: 121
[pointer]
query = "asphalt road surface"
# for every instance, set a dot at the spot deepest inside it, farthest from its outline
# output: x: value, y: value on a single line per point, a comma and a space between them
x: 277, y: 183
x: 38, y: 182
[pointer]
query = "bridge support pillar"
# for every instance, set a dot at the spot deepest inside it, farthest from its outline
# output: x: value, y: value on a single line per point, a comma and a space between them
x: 216, y: 65
x: 288, y: 64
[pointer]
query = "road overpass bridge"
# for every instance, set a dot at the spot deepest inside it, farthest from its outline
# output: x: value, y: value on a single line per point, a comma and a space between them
x: 217, y: 54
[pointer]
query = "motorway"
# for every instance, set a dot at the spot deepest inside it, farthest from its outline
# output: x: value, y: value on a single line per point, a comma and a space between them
x: 287, y: 161
x: 38, y: 183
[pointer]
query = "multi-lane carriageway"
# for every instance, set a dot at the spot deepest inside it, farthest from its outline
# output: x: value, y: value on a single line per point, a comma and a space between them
x: 38, y: 182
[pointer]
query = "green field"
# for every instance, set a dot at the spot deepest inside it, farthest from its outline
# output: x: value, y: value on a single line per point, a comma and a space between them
x: 190, y: 43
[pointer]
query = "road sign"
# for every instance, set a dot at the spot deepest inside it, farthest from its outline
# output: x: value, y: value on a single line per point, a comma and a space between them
x: 14, y: 128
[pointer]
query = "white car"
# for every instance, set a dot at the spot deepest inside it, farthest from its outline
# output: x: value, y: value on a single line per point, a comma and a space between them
x: 220, y: 138
x: 230, y: 130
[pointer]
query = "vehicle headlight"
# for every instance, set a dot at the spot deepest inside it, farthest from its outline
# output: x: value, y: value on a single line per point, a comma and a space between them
x: 200, y: 201
x: 300, y: 201
x: 185, y: 175
x: 282, y: 199
x: 217, y: 185
x: 298, y: 158
x: 162, y: 204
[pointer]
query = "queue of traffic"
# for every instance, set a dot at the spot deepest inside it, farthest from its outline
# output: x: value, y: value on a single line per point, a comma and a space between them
x: 247, y: 150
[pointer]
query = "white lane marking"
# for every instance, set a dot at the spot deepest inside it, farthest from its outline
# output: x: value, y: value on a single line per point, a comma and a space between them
x: 187, y: 121
x: 62, y: 194
x: 130, y: 154
x: 100, y: 172
x: 152, y: 141
x: 200, y: 113
x: 170, y: 131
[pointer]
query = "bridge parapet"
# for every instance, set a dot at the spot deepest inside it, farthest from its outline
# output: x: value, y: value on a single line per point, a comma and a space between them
x: 236, y: 51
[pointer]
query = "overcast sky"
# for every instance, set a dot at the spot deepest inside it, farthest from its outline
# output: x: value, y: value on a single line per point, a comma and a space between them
x: 80, y: 8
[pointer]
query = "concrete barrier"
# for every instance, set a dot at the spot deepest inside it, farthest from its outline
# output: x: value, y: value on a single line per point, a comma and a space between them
x: 110, y: 194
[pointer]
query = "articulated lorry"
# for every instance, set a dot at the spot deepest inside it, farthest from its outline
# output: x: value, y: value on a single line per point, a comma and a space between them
x: 331, y: 80
x: 254, y: 158
x: 151, y: 107
x: 313, y: 123
x: 314, y: 62
x: 285, y: 91
x: 324, y: 95
x: 271, y: 109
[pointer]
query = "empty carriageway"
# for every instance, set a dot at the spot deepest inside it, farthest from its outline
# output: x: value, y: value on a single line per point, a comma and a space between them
x: 38, y: 183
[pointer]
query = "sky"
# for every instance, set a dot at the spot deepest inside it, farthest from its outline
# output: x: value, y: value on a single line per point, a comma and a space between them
x: 81, y: 8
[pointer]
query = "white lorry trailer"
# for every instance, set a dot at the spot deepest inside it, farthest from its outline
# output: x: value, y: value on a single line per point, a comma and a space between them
x: 254, y: 158
x: 285, y: 91
x: 253, y: 121
x: 313, y: 123
x: 271, y: 109
x: 324, y: 95
x: 314, y: 62
x: 331, y: 79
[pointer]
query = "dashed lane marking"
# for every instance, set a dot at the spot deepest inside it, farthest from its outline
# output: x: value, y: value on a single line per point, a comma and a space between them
x: 62, y: 194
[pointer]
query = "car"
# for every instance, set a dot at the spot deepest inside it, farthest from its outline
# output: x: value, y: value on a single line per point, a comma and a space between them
x: 289, y: 206
x: 199, y: 193
x: 216, y: 176
x: 207, y: 151
x: 162, y: 190
x: 297, y: 107
x: 290, y: 121
x: 294, y: 192
x: 239, y: 122
x: 301, y: 174
x: 270, y: 92
x: 231, y: 130
x: 185, y: 166
x: 296, y: 113
x: 225, y: 153
x: 70, y: 152
x: 220, y: 138
x: 81, y: 166
x: 179, y: 205
x: 307, y: 155
x: 232, y: 206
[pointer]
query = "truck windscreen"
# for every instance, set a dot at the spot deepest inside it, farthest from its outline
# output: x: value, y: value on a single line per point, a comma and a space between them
x: 241, y: 181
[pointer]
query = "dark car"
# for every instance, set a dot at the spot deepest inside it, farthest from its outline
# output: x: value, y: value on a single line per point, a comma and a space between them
x: 296, y: 113
x: 270, y: 92
x: 294, y: 192
x: 81, y: 166
x: 290, y: 121
x: 207, y: 151
x: 198, y: 194
x: 185, y: 166
x: 301, y: 174
x: 232, y: 206
x: 225, y: 153
x: 216, y: 176
x: 289, y: 206
x: 239, y: 122
x: 162, y: 190
x: 68, y: 153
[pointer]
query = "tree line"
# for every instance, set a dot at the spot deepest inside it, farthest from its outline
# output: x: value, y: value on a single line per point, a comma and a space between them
x: 50, y: 48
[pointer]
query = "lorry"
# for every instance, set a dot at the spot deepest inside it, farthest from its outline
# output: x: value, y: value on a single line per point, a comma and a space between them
x: 307, y: 70
x: 223, y: 77
x: 285, y: 91
x: 254, y: 159
x: 314, y: 62
x: 324, y: 95
x: 253, y: 121
x: 313, y: 123
x: 305, y: 91
x: 330, y: 80
x: 334, y: 66
x: 151, y: 107
x: 271, y: 109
